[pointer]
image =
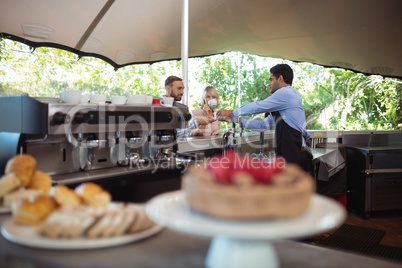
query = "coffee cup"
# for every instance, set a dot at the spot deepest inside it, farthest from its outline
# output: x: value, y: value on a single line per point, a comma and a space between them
x: 71, y: 96
x: 97, y: 98
x: 137, y: 99
x: 167, y: 101
x: 213, y: 103
x: 84, y: 99
x: 118, y: 100
x: 156, y: 102
x: 148, y: 100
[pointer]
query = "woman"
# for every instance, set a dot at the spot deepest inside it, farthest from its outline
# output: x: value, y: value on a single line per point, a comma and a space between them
x: 209, y: 101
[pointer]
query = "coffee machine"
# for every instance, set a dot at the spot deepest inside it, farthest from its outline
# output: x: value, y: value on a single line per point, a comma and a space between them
x: 82, y: 142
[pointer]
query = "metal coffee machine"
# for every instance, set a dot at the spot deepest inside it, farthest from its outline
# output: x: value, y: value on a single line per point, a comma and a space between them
x: 76, y: 143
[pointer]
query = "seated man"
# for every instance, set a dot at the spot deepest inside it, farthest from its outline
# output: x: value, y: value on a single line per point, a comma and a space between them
x: 175, y: 88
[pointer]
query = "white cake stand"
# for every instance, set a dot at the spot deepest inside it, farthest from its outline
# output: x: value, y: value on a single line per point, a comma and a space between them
x: 243, y: 243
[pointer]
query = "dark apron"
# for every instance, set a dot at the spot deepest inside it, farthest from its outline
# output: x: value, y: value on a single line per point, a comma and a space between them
x: 288, y: 144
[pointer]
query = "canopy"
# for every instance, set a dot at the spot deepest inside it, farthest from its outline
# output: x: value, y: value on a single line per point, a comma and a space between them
x: 359, y: 35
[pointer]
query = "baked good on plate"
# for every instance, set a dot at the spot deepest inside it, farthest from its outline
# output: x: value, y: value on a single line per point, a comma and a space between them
x: 142, y: 221
x: 8, y: 183
x: 23, y: 167
x: 65, y: 196
x: 19, y: 194
x: 33, y: 210
x: 40, y: 181
x: 68, y: 221
x: 93, y: 195
x: 241, y: 188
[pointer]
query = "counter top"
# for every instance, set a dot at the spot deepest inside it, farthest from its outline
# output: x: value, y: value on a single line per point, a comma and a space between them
x: 192, y: 144
x: 171, y: 249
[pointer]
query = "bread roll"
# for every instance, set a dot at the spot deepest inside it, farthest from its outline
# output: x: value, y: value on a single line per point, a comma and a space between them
x: 41, y: 181
x: 33, y: 210
x: 93, y: 195
x: 65, y: 196
x: 19, y: 194
x: 23, y: 167
x: 8, y: 183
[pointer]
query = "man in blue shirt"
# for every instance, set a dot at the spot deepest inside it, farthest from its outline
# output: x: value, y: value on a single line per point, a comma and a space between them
x: 286, y: 115
x: 175, y: 88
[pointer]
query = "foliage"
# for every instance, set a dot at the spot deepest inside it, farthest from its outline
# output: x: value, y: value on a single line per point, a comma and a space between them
x: 332, y: 98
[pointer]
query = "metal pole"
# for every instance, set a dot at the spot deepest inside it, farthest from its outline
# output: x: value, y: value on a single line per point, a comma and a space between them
x: 238, y: 79
x: 184, y: 49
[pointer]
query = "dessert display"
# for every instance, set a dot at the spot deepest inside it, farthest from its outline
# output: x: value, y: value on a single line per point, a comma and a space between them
x: 59, y: 212
x: 241, y: 188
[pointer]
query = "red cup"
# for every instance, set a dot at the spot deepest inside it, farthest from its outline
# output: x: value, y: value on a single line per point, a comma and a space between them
x: 156, y: 102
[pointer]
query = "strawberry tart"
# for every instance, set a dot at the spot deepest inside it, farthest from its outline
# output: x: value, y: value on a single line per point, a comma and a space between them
x: 240, y: 188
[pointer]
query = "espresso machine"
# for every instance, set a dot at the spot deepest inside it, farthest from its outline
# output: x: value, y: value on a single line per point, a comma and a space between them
x: 86, y: 142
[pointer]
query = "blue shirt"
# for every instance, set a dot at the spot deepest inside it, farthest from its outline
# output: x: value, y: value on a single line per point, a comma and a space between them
x: 187, y: 132
x: 286, y: 101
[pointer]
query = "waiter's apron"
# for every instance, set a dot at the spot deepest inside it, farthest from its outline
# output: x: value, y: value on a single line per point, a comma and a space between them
x: 288, y: 143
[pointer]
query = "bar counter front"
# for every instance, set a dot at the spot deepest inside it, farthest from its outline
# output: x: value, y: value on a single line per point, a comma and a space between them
x: 170, y: 249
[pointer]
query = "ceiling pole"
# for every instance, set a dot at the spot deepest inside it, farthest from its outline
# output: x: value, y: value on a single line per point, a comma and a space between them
x: 184, y: 49
x: 239, y: 78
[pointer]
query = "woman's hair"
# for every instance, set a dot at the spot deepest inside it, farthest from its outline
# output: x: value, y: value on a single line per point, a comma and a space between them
x: 213, y: 92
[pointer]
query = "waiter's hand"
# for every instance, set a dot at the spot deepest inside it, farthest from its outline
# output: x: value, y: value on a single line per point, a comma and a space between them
x: 223, y: 118
x: 224, y: 113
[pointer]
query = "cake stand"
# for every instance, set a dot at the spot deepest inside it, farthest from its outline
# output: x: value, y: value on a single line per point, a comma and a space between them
x: 243, y: 243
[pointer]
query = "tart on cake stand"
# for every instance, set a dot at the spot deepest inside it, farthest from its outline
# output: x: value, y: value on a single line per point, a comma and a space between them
x: 243, y: 243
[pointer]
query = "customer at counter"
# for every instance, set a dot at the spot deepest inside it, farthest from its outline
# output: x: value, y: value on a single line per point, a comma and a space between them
x: 209, y: 101
x: 286, y: 115
x: 175, y: 89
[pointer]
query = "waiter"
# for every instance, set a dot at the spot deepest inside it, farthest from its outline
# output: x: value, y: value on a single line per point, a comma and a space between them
x: 286, y: 115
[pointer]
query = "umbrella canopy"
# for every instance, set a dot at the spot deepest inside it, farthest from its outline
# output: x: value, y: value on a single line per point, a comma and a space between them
x: 359, y: 35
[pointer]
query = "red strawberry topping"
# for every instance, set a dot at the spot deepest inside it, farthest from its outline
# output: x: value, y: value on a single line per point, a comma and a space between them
x: 224, y: 168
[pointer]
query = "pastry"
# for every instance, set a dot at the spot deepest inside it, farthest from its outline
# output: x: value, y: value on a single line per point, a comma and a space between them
x: 142, y: 222
x: 113, y: 223
x: 93, y: 195
x: 8, y: 183
x: 40, y: 181
x: 33, y: 210
x: 23, y: 167
x: 65, y: 196
x: 68, y: 222
x: 19, y: 194
x: 241, y: 188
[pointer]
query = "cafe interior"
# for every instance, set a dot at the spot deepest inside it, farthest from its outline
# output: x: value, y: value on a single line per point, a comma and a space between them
x: 130, y: 152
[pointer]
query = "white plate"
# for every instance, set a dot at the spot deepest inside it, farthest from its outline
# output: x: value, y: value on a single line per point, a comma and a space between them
x: 26, y: 235
x: 172, y: 211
